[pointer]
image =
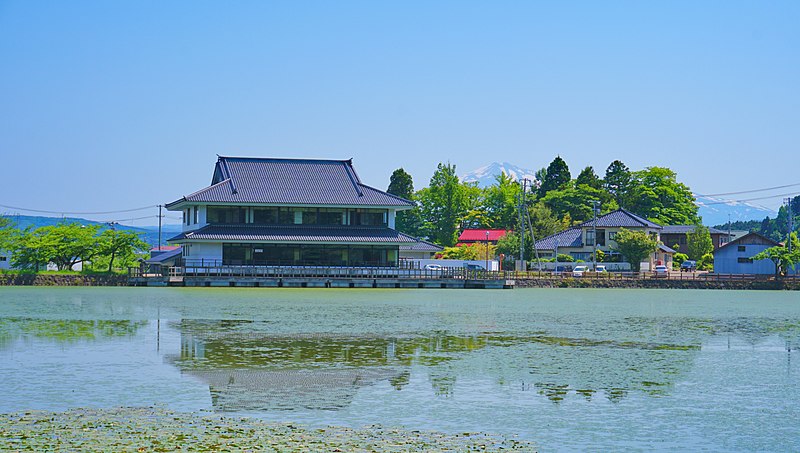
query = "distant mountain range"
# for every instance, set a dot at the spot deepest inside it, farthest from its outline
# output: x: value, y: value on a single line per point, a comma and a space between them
x: 148, y: 234
x: 714, y: 211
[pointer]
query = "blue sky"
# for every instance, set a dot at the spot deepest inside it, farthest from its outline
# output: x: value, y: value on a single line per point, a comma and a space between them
x: 116, y: 105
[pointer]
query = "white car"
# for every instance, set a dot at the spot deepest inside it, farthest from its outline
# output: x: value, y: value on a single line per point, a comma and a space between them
x: 661, y: 271
x: 433, y: 267
x: 600, y: 268
x: 579, y: 270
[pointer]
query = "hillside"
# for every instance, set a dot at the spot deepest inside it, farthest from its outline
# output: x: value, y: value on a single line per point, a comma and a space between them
x: 149, y: 234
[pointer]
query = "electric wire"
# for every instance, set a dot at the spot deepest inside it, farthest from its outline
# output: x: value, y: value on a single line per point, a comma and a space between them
x: 77, y: 212
x: 748, y: 191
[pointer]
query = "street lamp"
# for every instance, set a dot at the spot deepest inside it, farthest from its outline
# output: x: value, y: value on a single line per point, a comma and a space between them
x: 487, y: 250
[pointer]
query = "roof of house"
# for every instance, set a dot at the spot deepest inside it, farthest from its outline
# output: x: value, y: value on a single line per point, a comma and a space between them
x: 480, y: 234
x: 666, y: 249
x: 296, y: 234
x: 621, y: 218
x: 422, y: 246
x: 571, y: 237
x: 683, y: 229
x: 749, y: 238
x: 289, y: 182
x: 164, y: 248
x: 165, y: 256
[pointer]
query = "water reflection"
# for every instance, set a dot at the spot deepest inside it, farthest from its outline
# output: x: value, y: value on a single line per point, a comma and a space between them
x: 248, y: 367
x: 65, y: 330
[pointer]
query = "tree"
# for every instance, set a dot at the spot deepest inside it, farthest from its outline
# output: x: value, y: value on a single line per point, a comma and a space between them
x: 556, y: 177
x: 781, y: 256
x: 635, y: 246
x: 65, y: 245
x: 698, y: 242
x: 617, y: 181
x: 589, y: 178
x: 443, y: 204
x: 470, y: 252
x: 657, y: 195
x: 501, y: 203
x: 402, y: 185
x: 113, y: 244
x: 577, y: 202
x: 7, y: 233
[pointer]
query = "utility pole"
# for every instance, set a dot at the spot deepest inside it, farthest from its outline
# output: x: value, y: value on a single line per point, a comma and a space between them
x: 522, y: 206
x: 595, y: 204
x: 789, y: 215
x: 729, y: 228
x: 159, y: 227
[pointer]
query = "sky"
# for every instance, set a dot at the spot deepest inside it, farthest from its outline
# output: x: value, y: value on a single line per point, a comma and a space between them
x: 120, y: 105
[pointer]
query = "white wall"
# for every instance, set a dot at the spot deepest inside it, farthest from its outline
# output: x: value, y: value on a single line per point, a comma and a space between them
x: 202, y: 250
x: 494, y: 265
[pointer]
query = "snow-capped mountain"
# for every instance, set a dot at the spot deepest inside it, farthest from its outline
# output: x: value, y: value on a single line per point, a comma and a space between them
x: 715, y: 211
x: 485, y: 176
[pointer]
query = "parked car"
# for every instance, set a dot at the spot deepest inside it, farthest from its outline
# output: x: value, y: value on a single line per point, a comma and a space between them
x: 433, y: 267
x: 689, y: 266
x: 661, y: 271
x: 473, y: 267
x: 600, y: 268
x: 579, y: 270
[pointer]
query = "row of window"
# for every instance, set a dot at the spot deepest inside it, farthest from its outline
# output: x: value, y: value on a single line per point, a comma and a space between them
x: 309, y: 255
x: 289, y: 216
x: 601, y: 237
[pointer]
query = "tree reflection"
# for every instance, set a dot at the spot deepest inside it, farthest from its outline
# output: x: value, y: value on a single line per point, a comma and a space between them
x: 65, y: 330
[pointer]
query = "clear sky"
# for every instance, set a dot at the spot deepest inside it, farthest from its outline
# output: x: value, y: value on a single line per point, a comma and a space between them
x: 118, y: 105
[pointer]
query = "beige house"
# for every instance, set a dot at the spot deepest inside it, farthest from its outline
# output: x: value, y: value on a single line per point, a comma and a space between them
x: 579, y: 241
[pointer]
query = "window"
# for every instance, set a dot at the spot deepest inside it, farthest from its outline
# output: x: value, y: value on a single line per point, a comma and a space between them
x: 682, y: 240
x: 185, y: 216
x: 218, y: 214
x: 590, y: 237
x: 612, y: 235
x: 601, y: 237
x: 195, y: 214
x: 265, y: 216
x: 369, y: 217
x: 3, y: 258
x: 744, y: 260
x: 741, y: 248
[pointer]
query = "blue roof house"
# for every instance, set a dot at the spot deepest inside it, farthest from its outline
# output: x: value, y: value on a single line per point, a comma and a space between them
x: 735, y: 257
x: 268, y: 211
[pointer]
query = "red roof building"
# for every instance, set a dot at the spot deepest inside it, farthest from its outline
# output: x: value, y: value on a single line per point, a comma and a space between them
x: 479, y: 235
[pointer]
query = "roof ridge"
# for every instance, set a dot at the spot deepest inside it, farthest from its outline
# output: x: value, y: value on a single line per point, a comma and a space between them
x: 288, y: 159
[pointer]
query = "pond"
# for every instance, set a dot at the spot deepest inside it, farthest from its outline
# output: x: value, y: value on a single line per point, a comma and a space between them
x: 568, y: 369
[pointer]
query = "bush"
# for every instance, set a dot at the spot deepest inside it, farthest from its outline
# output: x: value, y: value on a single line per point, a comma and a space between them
x: 706, y: 263
x: 564, y: 258
x: 678, y: 259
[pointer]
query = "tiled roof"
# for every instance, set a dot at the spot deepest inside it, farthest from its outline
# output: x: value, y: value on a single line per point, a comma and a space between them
x: 666, y: 249
x: 621, y: 218
x: 290, y: 182
x: 294, y: 234
x: 165, y: 256
x: 748, y: 238
x: 480, y: 235
x: 683, y: 229
x: 567, y: 238
x: 422, y: 246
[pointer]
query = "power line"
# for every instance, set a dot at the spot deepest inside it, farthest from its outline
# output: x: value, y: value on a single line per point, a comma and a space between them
x: 748, y: 191
x: 791, y: 194
x: 78, y: 213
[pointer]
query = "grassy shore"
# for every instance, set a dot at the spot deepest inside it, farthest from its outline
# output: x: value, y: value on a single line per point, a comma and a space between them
x: 157, y: 430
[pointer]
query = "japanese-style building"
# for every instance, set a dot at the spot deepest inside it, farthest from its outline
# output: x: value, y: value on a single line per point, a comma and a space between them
x: 289, y: 212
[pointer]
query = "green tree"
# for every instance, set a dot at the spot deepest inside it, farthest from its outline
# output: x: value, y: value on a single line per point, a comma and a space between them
x: 7, y: 233
x: 657, y: 195
x: 617, y: 181
x: 577, y: 202
x: 556, y: 177
x: 678, y: 259
x: 706, y: 262
x: 122, y: 245
x: 402, y: 185
x: 781, y: 256
x: 635, y: 246
x: 64, y: 244
x: 501, y: 202
x: 589, y: 178
x: 443, y: 204
x: 698, y: 242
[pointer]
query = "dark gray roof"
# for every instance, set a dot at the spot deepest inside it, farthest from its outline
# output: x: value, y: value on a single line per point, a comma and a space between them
x: 165, y: 256
x: 567, y: 238
x: 683, y: 229
x: 295, y: 234
x: 749, y: 238
x: 422, y: 246
x: 290, y: 182
x: 621, y: 218
x: 666, y: 249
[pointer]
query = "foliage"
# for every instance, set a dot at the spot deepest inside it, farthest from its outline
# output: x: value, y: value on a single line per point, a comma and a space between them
x: 65, y: 245
x: 636, y: 246
x: 679, y: 258
x: 600, y: 256
x: 500, y: 201
x: 706, y: 262
x: 577, y: 202
x: 781, y: 256
x: 402, y: 185
x: 657, y: 195
x: 7, y: 233
x: 443, y: 205
x: 587, y: 177
x: 471, y: 252
x: 617, y: 181
x: 556, y: 177
x: 564, y: 258
x: 121, y: 245
x: 698, y: 242
x: 544, y: 221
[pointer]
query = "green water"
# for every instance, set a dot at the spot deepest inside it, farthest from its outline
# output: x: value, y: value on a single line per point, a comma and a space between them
x: 568, y: 369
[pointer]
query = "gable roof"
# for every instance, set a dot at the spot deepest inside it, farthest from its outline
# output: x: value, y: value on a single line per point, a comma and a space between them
x: 568, y: 238
x: 480, y: 234
x: 422, y: 246
x: 313, y: 182
x: 621, y: 218
x: 750, y: 238
x: 683, y: 229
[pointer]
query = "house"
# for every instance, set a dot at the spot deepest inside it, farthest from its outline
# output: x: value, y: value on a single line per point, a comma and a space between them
x: 579, y: 241
x: 420, y: 250
x: 478, y: 235
x: 5, y: 260
x: 168, y: 255
x: 735, y: 257
x: 675, y: 236
x: 271, y: 211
